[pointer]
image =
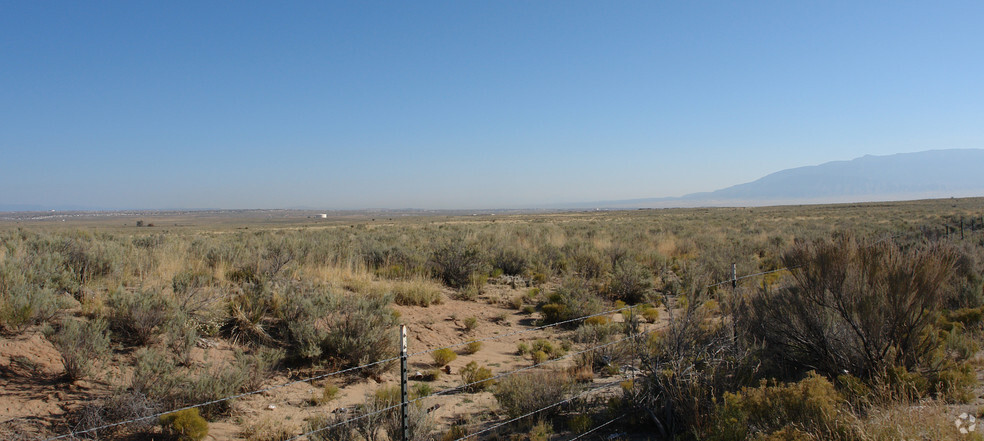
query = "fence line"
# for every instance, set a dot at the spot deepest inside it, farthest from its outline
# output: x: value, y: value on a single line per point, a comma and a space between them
x: 464, y: 386
x: 558, y: 403
x: 220, y: 400
x: 318, y: 377
x: 73, y: 433
x: 596, y: 428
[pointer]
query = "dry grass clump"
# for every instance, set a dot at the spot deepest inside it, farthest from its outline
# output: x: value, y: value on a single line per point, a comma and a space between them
x: 416, y: 292
x: 268, y: 429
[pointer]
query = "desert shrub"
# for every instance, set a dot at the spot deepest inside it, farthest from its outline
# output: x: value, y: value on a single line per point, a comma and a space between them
x: 24, y: 305
x: 420, y: 423
x: 971, y: 318
x: 522, y: 348
x: 525, y: 392
x: 193, y: 293
x: 854, y: 307
x: 84, y: 260
x: 552, y: 350
x: 540, y: 431
x: 573, y: 299
x: 417, y: 292
x: 187, y: 281
x: 454, y: 433
x: 473, y: 347
x: 586, y: 261
x: 511, y: 261
x: 630, y: 282
x: 81, y: 343
x: 596, y: 333
x: 476, y: 378
x: 443, y: 356
x: 470, y: 292
x: 331, y: 427
x: 210, y: 385
x: 121, y: 405
x: 470, y: 324
x: 181, y: 335
x: 421, y: 390
x: 185, y: 425
x: 966, y: 289
x: 361, y: 332
x: 430, y: 375
x: 516, y: 302
x: 267, y: 429
x: 650, y: 314
x: 687, y: 366
x: 248, y: 312
x: 329, y: 393
x: 597, y: 320
x: 579, y: 423
x: 455, y: 262
x: 244, y: 275
x: 808, y: 409
x: 154, y: 375
x: 139, y: 316
x: 302, y: 326
x: 256, y: 366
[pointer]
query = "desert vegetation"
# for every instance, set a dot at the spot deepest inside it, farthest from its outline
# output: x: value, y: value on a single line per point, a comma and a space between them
x: 864, y: 313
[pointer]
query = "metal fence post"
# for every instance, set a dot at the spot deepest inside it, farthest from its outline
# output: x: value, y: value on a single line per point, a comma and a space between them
x: 404, y: 387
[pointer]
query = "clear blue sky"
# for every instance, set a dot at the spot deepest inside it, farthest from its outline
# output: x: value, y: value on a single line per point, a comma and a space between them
x: 466, y: 104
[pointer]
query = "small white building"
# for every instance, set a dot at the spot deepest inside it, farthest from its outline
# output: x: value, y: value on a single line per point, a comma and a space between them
x: 323, y: 215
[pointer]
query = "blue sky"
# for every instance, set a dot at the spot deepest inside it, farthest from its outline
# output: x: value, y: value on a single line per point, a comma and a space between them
x: 464, y: 104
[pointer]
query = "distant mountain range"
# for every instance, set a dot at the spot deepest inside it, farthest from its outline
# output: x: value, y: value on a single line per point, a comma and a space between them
x: 903, y: 176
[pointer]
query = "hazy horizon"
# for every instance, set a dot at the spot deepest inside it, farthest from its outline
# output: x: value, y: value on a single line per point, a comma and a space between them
x: 450, y: 105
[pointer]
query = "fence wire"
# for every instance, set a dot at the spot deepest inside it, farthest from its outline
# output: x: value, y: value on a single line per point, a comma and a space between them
x: 75, y: 433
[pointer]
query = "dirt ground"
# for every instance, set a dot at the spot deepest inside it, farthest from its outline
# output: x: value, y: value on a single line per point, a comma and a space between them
x: 34, y: 399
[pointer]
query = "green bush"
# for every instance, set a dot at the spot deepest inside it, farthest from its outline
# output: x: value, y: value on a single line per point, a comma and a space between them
x: 81, y: 343
x: 573, y: 299
x: 186, y: 425
x: 430, y: 375
x: 455, y: 262
x: 473, y: 347
x: 630, y: 282
x: 25, y: 305
x: 443, y: 356
x: 808, y: 409
x: 362, y: 331
x: 470, y: 324
x: 479, y: 375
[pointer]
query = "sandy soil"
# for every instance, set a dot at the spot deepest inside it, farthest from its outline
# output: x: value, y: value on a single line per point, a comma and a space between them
x: 34, y: 399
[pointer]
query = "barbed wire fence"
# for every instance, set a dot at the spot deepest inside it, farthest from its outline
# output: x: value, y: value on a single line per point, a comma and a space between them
x: 75, y: 434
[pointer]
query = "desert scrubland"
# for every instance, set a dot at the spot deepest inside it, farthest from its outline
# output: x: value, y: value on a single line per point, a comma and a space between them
x: 849, y: 322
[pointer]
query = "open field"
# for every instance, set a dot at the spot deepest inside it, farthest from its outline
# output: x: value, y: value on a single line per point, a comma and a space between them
x: 104, y: 321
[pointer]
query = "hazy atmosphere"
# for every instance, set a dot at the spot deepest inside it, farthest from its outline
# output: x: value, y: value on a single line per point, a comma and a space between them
x: 130, y: 105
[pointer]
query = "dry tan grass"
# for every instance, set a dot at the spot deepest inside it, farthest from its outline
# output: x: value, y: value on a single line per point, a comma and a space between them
x: 929, y: 421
